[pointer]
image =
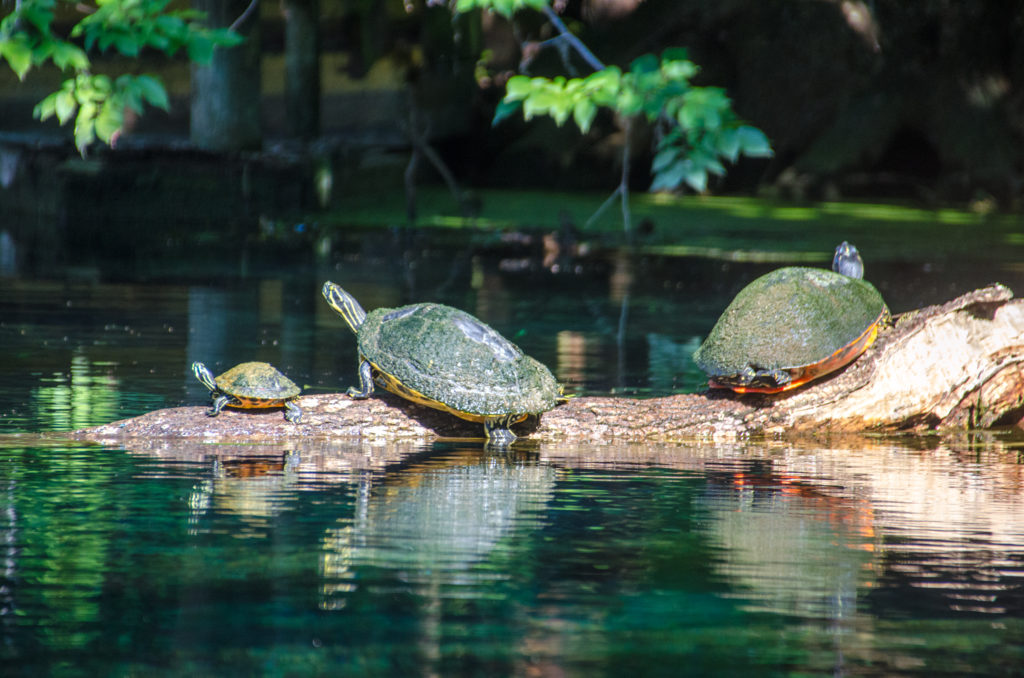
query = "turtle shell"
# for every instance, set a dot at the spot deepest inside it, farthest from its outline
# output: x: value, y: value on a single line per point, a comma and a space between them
x: 445, y: 358
x: 256, y: 382
x: 790, y: 326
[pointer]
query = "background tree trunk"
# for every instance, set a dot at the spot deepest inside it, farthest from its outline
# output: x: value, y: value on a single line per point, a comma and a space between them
x: 302, y: 67
x: 226, y: 92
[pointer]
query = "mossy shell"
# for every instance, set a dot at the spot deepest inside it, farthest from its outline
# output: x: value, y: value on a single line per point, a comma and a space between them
x: 804, y: 321
x: 443, y: 357
x: 256, y: 383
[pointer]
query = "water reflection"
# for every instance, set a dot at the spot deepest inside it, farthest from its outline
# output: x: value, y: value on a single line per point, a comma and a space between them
x: 432, y: 522
x: 88, y: 392
x: 866, y: 557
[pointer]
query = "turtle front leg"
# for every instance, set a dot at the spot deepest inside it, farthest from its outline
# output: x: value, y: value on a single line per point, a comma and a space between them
x: 498, y: 432
x: 219, y: 401
x: 292, y: 412
x: 365, y: 389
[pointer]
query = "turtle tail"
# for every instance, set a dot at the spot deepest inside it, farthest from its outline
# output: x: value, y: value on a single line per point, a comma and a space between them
x: 345, y: 304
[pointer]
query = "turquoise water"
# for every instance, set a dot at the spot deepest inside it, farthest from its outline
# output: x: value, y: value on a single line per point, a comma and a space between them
x: 865, y: 557
x: 342, y: 559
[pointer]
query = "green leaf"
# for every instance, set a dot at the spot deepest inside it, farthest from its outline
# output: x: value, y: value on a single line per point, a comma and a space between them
x: 648, y: 63
x: 126, y: 44
x: 505, y: 109
x: 46, y: 108
x: 200, y: 49
x: 675, y: 54
x: 18, y: 53
x: 664, y: 158
x: 728, y: 143
x: 753, y: 142
x: 628, y: 102
x: 517, y: 87
x: 39, y: 16
x: 584, y: 112
x: 65, y: 105
x: 152, y: 90
x: 680, y: 70
x: 561, y: 109
x: 67, y: 54
x: 85, y: 127
x: 540, y: 102
x: 696, y: 178
x: 110, y: 119
x: 669, y: 178
x: 224, y: 37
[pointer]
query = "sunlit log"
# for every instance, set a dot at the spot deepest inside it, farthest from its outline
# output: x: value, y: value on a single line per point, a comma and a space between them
x: 958, y: 365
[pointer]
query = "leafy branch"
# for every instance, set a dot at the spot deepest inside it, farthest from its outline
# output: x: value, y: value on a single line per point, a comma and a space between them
x: 96, y: 102
x: 697, y: 129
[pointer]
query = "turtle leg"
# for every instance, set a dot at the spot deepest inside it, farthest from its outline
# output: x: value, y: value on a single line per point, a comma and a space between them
x: 292, y: 412
x: 498, y: 432
x: 780, y: 377
x: 365, y: 389
x: 218, y: 404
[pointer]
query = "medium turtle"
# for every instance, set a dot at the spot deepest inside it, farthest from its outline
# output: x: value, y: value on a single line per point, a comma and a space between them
x: 793, y: 325
x: 445, y: 358
x: 250, y: 386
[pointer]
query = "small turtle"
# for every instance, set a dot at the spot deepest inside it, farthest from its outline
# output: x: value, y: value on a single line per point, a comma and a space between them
x: 793, y: 325
x: 250, y: 386
x: 445, y: 358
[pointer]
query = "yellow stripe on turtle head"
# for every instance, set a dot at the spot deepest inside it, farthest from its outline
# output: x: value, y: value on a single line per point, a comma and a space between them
x: 204, y: 375
x: 345, y: 304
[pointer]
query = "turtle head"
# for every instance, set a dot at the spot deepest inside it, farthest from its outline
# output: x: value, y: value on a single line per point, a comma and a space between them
x: 847, y: 261
x: 345, y: 304
x: 204, y: 375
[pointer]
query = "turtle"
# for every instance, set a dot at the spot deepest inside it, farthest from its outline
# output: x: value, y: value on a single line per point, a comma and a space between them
x: 447, y: 359
x: 793, y: 325
x: 250, y: 385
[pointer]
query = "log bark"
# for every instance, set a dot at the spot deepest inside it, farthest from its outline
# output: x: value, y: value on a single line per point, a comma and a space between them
x: 954, y: 366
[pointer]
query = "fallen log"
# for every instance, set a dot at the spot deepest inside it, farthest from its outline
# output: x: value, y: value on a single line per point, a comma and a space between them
x: 957, y: 365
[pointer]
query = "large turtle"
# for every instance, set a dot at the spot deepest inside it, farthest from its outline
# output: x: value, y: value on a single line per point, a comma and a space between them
x: 250, y: 385
x: 445, y: 358
x: 793, y: 325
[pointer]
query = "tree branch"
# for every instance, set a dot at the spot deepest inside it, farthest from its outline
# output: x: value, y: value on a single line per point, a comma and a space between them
x: 580, y: 48
x: 244, y: 15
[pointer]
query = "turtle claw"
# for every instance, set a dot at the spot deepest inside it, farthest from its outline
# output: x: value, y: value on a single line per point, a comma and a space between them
x: 498, y: 432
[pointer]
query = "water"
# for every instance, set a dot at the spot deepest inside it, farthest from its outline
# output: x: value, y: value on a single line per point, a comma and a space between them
x: 858, y: 557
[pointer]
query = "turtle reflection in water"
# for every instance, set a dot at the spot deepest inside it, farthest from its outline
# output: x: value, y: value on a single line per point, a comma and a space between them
x: 444, y: 358
x: 250, y: 386
x: 793, y: 325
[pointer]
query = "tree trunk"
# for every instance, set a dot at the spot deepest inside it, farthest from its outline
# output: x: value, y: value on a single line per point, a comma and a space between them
x: 959, y: 365
x: 226, y: 92
x: 302, y: 67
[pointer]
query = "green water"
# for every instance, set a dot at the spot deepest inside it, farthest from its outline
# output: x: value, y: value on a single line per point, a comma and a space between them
x: 343, y: 559
x: 171, y: 558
